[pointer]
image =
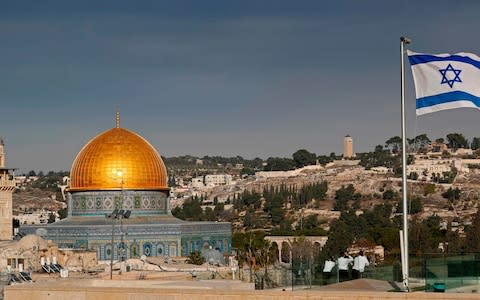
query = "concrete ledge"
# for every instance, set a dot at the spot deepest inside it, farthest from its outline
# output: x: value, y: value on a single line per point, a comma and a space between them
x: 189, y: 290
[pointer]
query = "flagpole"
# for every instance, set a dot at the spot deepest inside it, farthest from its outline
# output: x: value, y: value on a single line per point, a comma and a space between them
x: 404, y: 41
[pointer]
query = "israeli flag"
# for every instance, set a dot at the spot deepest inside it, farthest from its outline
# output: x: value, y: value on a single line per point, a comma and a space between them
x: 445, y: 81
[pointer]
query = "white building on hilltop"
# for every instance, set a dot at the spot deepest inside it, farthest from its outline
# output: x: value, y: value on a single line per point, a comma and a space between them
x: 220, y: 179
x: 211, y: 180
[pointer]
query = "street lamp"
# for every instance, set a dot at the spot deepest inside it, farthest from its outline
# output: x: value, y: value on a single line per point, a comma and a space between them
x: 116, y: 214
x: 121, y: 216
x: 113, y: 216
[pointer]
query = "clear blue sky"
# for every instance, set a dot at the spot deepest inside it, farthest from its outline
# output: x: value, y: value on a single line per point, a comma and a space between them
x: 251, y: 78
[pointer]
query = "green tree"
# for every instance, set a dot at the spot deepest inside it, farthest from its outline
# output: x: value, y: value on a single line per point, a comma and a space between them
x: 475, y: 143
x: 451, y: 194
x: 304, y: 158
x: 420, y: 239
x: 324, y: 159
x: 62, y: 213
x: 446, y: 154
x: 388, y: 238
x: 192, y: 210
x: 429, y: 188
x: 51, y: 218
x: 250, y: 198
x: 248, y: 220
x: 274, y: 207
x: 209, y: 215
x: 253, y: 249
x: 394, y: 144
x: 457, y: 140
x: 413, y: 176
x: 177, y: 212
x: 219, y: 208
x: 340, y: 237
x: 310, y: 222
x: 342, y: 196
x: 171, y: 181
x: 415, y: 206
x: 389, y: 195
x: 421, y: 142
x: 279, y: 164
x: 247, y: 171
x: 380, y: 157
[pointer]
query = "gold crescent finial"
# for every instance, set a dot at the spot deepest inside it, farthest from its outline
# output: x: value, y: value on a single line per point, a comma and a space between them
x: 117, y: 117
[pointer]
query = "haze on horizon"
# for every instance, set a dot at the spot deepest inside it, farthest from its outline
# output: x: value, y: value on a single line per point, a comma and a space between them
x: 249, y: 78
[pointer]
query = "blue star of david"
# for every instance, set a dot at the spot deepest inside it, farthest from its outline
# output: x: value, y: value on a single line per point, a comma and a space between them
x: 446, y: 79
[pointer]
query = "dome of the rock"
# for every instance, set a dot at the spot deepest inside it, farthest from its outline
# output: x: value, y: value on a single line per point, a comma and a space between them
x: 119, y: 206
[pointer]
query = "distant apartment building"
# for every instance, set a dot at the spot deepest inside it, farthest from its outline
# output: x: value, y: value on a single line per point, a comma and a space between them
x: 437, y: 147
x: 24, y: 180
x: 38, y: 217
x: 426, y: 167
x: 211, y: 180
x: 463, y: 151
x: 466, y: 165
x: 197, y: 182
x: 220, y: 179
x: 348, y: 147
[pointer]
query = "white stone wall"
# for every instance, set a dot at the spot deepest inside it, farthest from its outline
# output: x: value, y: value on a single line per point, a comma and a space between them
x: 6, y: 215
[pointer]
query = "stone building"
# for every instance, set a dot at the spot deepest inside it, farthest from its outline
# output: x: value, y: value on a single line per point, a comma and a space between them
x: 348, y: 147
x: 119, y: 171
x: 7, y: 187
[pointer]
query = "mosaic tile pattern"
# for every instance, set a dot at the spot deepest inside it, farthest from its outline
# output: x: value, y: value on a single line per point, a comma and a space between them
x: 101, y: 202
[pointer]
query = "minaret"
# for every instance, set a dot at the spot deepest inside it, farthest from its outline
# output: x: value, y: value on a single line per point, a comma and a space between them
x: 348, y: 147
x: 7, y: 187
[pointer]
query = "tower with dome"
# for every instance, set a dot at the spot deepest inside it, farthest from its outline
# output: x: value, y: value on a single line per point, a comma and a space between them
x: 118, y: 184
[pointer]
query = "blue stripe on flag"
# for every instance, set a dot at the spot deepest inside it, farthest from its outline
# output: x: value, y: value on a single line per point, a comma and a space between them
x: 446, y: 98
x: 426, y: 58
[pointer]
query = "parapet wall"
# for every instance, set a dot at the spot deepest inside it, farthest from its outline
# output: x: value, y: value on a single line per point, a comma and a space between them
x: 232, y: 290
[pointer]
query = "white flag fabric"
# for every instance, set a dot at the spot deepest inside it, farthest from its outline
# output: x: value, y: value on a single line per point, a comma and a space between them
x: 445, y: 81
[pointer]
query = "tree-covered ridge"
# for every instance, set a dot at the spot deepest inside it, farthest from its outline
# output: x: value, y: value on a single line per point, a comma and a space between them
x: 265, y: 210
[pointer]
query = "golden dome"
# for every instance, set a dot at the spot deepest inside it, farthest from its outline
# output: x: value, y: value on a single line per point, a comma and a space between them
x: 115, y: 159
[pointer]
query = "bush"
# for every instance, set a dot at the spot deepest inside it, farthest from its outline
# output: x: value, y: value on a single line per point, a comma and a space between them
x: 429, y: 189
x: 195, y: 258
x: 452, y: 194
x: 389, y: 195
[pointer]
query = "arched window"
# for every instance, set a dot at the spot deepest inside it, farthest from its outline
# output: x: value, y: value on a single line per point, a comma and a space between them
x: 147, y: 249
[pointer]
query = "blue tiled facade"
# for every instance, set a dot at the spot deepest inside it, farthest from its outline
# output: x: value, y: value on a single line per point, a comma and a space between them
x: 151, y: 230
